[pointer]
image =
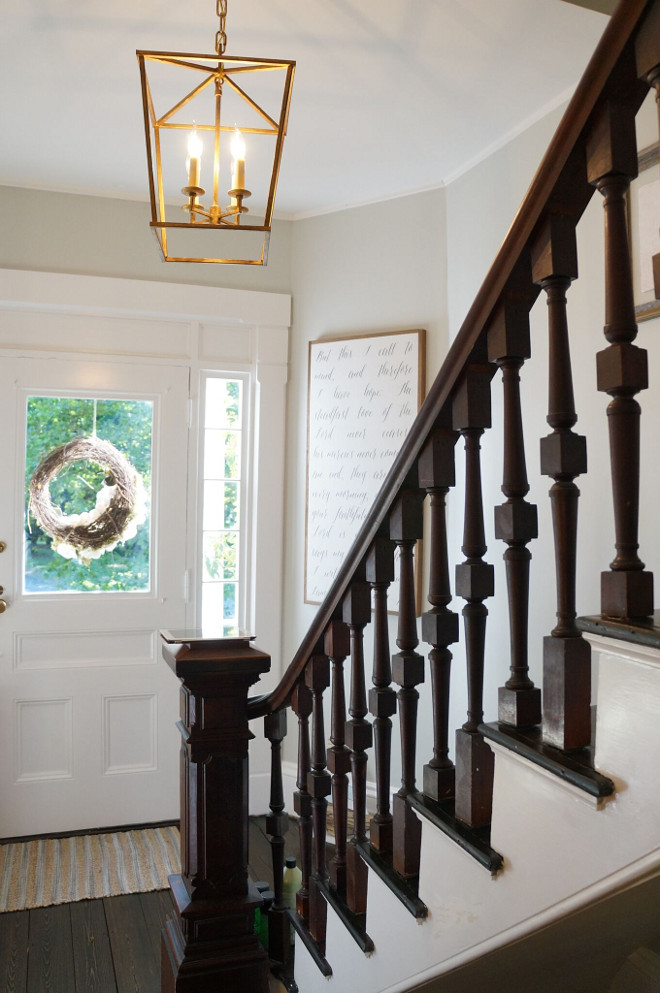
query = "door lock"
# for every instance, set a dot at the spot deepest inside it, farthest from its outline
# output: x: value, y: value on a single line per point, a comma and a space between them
x: 3, y: 546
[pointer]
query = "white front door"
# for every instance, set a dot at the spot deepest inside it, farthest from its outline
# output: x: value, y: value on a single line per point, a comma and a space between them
x: 87, y: 706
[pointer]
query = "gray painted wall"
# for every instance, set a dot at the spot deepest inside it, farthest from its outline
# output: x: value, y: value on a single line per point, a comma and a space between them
x: 374, y: 268
x: 97, y: 236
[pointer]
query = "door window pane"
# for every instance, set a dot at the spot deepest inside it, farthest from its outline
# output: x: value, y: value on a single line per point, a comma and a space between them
x: 85, y: 496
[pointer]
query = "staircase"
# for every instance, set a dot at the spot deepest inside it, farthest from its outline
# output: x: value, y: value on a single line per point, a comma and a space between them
x: 566, y: 853
x: 513, y: 826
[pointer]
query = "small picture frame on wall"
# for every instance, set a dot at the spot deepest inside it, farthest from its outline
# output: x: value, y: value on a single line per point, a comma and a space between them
x: 644, y: 227
x: 364, y: 392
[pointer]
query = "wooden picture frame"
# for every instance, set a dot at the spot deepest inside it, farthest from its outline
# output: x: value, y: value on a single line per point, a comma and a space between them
x: 363, y: 393
x: 643, y: 224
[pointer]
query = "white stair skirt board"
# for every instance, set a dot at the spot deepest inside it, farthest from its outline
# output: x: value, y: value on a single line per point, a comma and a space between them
x: 563, y: 850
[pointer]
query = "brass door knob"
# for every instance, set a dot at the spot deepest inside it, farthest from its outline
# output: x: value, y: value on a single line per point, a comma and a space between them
x: 3, y: 606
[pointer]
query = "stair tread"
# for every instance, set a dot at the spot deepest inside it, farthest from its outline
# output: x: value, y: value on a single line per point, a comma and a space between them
x: 574, y: 767
x: 639, y: 630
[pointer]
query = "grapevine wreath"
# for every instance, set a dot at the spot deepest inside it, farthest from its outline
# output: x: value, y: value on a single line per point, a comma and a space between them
x: 120, y: 503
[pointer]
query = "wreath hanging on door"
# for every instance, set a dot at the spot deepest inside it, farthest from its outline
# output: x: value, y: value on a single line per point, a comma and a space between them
x: 120, y: 503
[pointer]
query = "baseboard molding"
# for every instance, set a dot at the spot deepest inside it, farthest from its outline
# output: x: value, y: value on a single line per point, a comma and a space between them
x: 83, y: 832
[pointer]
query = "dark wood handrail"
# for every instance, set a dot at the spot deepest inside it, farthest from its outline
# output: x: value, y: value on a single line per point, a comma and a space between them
x: 588, y: 94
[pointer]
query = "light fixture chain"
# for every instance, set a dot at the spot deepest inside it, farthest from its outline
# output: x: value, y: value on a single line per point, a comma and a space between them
x: 221, y: 34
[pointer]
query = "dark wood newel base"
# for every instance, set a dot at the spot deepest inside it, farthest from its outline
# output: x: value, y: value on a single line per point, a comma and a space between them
x: 205, y: 949
x: 210, y: 945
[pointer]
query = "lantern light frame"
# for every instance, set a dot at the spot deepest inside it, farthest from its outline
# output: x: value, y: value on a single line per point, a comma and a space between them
x: 216, y: 71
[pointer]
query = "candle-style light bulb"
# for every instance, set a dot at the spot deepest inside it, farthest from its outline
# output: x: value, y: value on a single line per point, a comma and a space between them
x: 238, y: 168
x: 193, y: 162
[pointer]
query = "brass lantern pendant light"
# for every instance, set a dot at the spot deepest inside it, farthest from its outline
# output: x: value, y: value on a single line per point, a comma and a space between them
x: 211, y: 149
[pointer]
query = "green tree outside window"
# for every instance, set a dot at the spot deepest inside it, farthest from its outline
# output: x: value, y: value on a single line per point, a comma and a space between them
x: 52, y: 421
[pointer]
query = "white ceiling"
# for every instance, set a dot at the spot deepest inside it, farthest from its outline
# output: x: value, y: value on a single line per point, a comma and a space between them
x: 390, y: 96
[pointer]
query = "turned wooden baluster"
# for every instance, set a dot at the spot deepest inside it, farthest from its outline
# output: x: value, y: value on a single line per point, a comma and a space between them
x: 301, y: 703
x: 439, y: 625
x: 474, y: 582
x: 277, y: 825
x: 566, y: 655
x: 406, y: 526
x: 337, y: 645
x: 317, y: 679
x: 647, y: 52
x: 516, y: 520
x: 382, y: 698
x: 627, y: 589
x: 356, y: 612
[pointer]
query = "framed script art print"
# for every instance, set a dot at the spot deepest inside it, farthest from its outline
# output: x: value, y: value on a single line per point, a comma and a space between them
x: 363, y: 395
x: 644, y: 215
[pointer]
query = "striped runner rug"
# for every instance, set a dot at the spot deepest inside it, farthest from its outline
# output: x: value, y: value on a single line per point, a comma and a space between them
x: 62, y: 870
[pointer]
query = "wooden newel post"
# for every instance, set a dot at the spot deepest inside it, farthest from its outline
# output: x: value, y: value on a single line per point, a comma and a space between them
x: 210, y: 943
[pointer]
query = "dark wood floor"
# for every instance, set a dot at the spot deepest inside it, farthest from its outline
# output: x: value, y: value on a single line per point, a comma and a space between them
x: 100, y: 946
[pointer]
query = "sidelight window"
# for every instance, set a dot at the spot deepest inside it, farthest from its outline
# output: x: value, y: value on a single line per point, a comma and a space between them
x: 223, y: 505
